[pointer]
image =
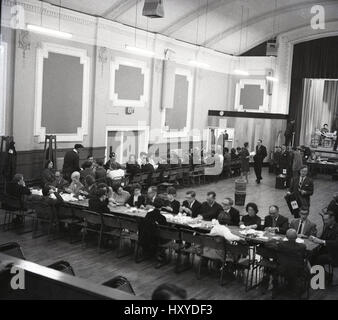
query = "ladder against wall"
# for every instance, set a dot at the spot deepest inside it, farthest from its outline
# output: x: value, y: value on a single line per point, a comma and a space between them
x: 49, y: 151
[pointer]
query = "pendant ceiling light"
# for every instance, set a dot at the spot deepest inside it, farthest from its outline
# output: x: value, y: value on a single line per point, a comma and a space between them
x: 194, y: 62
x: 135, y: 49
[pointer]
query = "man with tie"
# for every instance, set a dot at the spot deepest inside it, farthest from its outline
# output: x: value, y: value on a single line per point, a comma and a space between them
x: 303, y: 225
x: 328, y: 252
x: 275, y: 222
x: 190, y: 205
x: 302, y: 188
x: 261, y: 153
x: 231, y: 212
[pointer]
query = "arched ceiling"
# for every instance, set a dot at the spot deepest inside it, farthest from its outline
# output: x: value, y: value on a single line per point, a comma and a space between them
x: 229, y: 26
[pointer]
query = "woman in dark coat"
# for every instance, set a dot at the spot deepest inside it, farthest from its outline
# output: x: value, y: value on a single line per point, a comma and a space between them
x: 48, y: 175
x: 245, y: 157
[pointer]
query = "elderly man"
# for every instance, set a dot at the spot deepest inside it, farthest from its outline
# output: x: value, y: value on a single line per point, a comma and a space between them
x: 328, y: 252
x: 231, y: 212
x: 151, y: 197
x: 303, y: 225
x: 275, y: 222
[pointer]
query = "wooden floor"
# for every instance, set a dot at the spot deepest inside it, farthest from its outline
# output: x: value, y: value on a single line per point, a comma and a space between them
x: 89, y: 264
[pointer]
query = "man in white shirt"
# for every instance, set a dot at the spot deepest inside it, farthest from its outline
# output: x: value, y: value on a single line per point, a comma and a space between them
x: 303, y: 225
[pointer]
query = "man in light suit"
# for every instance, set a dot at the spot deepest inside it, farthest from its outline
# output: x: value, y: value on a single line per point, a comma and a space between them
x: 302, y: 188
x: 303, y: 225
x: 261, y: 153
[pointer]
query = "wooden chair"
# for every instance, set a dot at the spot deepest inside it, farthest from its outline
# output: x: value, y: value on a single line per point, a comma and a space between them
x: 92, y: 223
x: 243, y: 261
x: 191, y: 246
x: 44, y: 214
x: 213, y: 249
x: 129, y: 231
x: 12, y: 207
x: 112, y: 228
x: 169, y: 239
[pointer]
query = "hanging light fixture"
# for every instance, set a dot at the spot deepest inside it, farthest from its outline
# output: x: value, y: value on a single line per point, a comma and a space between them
x: 194, y: 62
x: 48, y: 31
x: 135, y: 49
x: 239, y: 71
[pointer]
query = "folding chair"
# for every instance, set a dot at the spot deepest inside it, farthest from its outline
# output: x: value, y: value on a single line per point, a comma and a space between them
x: 120, y: 283
x: 12, y: 207
x: 62, y: 266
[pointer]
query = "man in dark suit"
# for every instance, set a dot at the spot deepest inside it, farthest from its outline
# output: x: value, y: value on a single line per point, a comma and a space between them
x: 151, y: 197
x: 275, y: 222
x: 71, y: 161
x: 261, y: 153
x: 190, y: 205
x: 210, y: 209
x: 303, y: 225
x: 328, y: 253
x: 231, y: 212
x: 302, y: 188
x: 290, y: 130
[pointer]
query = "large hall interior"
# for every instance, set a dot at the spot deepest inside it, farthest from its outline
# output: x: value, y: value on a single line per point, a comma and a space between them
x: 169, y: 149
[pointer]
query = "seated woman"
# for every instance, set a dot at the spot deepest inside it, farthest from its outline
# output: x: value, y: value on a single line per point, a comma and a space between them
x: 172, y: 205
x: 99, y: 203
x: 119, y: 197
x: 60, y: 183
x: 251, y: 220
x: 48, y: 176
x: 137, y: 200
x: 132, y: 166
x: 76, y: 186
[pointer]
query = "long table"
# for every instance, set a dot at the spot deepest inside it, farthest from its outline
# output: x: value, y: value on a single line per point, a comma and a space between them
x: 202, y: 226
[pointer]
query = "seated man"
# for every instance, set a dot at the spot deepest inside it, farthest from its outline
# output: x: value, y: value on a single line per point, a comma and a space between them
x: 328, y: 252
x: 333, y: 206
x: 290, y: 262
x: 17, y: 187
x: 172, y: 205
x: 190, y: 205
x: 232, y: 213
x: 303, y: 226
x: 87, y: 171
x: 60, y: 183
x: 151, y: 197
x: 210, y: 209
x: 275, y: 222
x: 100, y: 171
x: 112, y: 164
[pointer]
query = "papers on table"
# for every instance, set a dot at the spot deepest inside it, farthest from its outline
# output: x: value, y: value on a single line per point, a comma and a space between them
x: 69, y: 197
x: 36, y: 192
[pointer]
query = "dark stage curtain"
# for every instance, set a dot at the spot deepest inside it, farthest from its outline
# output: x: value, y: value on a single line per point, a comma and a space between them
x: 311, y: 59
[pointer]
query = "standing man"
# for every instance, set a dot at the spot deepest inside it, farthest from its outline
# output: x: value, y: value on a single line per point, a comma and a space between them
x: 71, y: 161
x: 302, y: 188
x: 289, y: 132
x: 261, y: 153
